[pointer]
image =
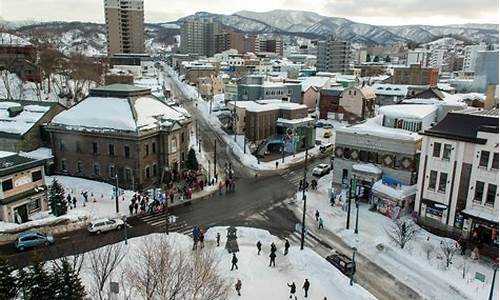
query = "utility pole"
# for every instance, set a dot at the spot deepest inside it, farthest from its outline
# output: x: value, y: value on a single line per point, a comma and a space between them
x: 495, y: 269
x: 283, y: 152
x: 209, y: 182
x: 167, y: 221
x: 244, y: 144
x: 357, y: 215
x: 215, y: 158
x: 348, y: 204
x: 125, y: 229
x: 234, y: 121
x: 303, y: 233
x: 116, y: 194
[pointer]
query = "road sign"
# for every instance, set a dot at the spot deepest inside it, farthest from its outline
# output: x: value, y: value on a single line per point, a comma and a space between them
x: 354, y: 184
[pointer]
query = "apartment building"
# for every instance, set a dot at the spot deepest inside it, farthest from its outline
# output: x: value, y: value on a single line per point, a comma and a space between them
x: 242, y: 42
x: 124, y: 26
x: 198, y: 37
x: 414, y: 75
x: 333, y: 56
x: 254, y: 87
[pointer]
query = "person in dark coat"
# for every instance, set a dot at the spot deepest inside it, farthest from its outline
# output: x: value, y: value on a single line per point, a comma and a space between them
x: 218, y: 239
x: 136, y: 207
x: 237, y: 286
x: 287, y: 246
x: 306, y: 286
x: 317, y: 215
x: 272, y: 259
x: 131, y: 208
x: 293, y: 289
x: 74, y: 202
x: 234, y: 262
x: 273, y: 248
x: 259, y: 247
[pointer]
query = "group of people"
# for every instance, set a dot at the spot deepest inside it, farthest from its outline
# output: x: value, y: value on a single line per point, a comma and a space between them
x: 305, y: 185
x: 293, y: 288
x: 140, y: 203
x: 71, y: 199
x: 198, y: 237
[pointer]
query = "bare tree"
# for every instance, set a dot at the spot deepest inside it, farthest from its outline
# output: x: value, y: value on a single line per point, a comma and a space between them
x: 159, y: 271
x: 11, y: 86
x: 102, y: 262
x: 448, y: 249
x: 402, y: 231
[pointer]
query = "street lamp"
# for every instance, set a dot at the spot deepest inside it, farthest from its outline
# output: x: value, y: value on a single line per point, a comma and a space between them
x: 495, y: 269
x: 357, y: 211
x: 303, y: 232
x: 116, y: 193
x: 354, y: 250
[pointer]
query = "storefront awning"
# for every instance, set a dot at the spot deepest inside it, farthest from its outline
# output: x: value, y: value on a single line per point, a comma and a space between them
x: 483, y: 214
x: 395, y: 193
x: 367, y: 172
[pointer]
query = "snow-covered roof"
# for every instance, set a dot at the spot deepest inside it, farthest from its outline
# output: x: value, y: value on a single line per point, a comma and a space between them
x: 295, y: 121
x: 367, y: 168
x: 400, y: 192
x: 39, y: 153
x: 388, y: 89
x: 409, y: 111
x: 23, y: 121
x: 316, y: 81
x: 7, y: 39
x: 266, y: 105
x: 485, y: 214
x: 373, y: 127
x: 113, y: 113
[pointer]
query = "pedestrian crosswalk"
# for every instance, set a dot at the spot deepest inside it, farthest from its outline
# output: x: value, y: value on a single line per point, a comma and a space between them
x: 310, y: 240
x: 175, y: 225
x: 293, y: 177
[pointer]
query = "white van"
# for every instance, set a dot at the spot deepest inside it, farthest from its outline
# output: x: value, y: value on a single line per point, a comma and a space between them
x: 326, y: 148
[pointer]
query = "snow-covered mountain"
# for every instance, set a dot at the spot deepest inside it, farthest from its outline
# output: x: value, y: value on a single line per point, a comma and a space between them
x: 313, y: 25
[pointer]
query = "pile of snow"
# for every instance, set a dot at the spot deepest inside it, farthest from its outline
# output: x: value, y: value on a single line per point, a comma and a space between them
x: 22, y: 122
x: 259, y: 281
x: 39, y: 153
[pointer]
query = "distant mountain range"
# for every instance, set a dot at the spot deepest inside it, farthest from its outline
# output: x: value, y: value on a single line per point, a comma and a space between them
x: 288, y: 23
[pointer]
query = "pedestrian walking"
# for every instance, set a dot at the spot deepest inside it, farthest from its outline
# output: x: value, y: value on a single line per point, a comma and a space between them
x: 202, y: 239
x: 317, y: 215
x: 136, y: 207
x: 131, y: 208
x: 74, y: 202
x: 218, y: 239
x: 259, y: 247
x: 293, y: 289
x: 301, y: 184
x: 273, y: 248
x: 320, y: 224
x: 277, y: 163
x: 287, y: 246
x: 306, y: 286
x: 221, y: 186
x: 272, y: 259
x: 234, y: 262
x: 237, y: 286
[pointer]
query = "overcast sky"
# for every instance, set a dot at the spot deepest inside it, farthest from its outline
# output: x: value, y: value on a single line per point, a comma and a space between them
x: 388, y: 12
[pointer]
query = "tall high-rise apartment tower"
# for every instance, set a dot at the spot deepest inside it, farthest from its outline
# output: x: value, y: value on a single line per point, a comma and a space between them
x: 124, y: 26
x: 199, y: 37
x: 333, y: 56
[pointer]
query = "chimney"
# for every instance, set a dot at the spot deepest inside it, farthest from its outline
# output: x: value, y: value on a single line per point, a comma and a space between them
x: 490, y: 101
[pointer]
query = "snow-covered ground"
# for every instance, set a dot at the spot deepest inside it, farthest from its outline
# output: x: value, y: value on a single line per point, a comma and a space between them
x: 237, y: 146
x: 259, y: 281
x: 430, y: 278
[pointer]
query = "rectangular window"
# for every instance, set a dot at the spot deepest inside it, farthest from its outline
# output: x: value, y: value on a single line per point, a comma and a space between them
x: 128, y: 174
x: 494, y: 163
x: 97, y: 170
x: 95, y: 148
x: 111, y: 149
x: 153, y: 147
x: 34, y: 205
x: 432, y: 180
x: 126, y: 151
x: 63, y: 165
x: 182, y: 138
x: 437, y: 150
x: 478, y: 193
x: 111, y: 171
x: 174, y: 144
x: 443, y: 178
x: 490, y: 195
x: 147, y: 172
x: 447, y: 151
x: 61, y: 145
x: 147, y: 149
x: 155, y: 170
x: 35, y: 176
x: 7, y: 185
x: 79, y: 167
x: 484, y: 158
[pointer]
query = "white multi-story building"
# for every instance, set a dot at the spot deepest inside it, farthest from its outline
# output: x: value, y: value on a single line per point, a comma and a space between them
x: 470, y: 56
x: 458, y: 174
x: 418, y: 56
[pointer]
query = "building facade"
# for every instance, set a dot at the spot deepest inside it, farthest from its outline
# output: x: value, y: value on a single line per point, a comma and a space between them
x: 123, y: 131
x: 252, y: 88
x: 333, y: 56
x: 415, y: 75
x: 199, y: 38
x: 23, y: 191
x: 124, y: 26
x: 458, y: 176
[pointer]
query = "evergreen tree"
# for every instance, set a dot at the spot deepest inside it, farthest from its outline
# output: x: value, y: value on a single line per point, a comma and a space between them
x: 57, y: 201
x: 8, y: 286
x: 368, y: 58
x: 192, y: 161
x: 376, y: 59
x: 387, y: 59
x: 35, y: 283
x: 66, y: 283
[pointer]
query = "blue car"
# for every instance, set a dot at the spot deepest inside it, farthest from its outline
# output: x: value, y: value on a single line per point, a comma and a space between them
x: 319, y: 125
x: 32, y: 239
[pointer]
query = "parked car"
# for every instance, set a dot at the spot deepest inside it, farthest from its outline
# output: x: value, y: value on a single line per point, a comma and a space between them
x: 319, y: 125
x: 321, y: 169
x: 102, y: 225
x: 328, y: 126
x: 32, y: 239
x: 342, y: 262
